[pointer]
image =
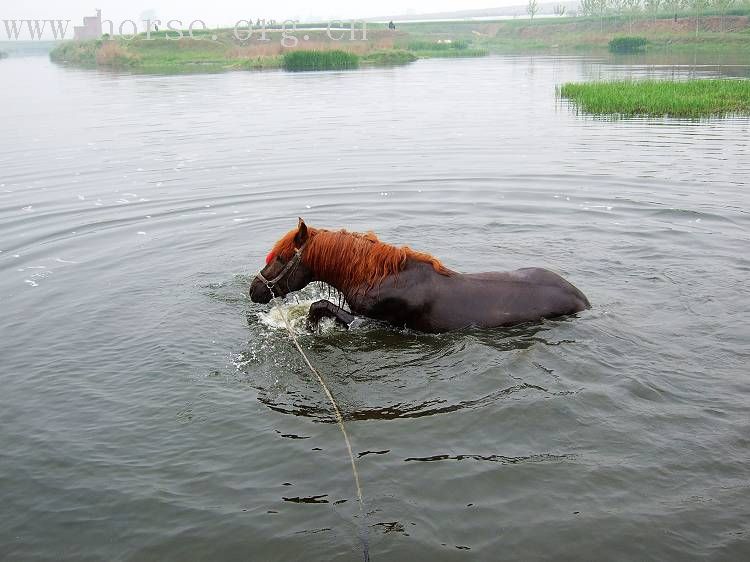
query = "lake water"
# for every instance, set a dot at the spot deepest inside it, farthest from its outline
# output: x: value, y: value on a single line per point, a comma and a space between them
x: 149, y: 410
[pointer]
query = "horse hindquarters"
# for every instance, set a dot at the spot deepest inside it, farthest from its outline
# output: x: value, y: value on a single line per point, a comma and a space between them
x: 568, y: 297
x: 502, y: 299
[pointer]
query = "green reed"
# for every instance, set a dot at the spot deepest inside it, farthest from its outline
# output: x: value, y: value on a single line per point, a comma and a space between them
x: 319, y: 60
x: 692, y: 98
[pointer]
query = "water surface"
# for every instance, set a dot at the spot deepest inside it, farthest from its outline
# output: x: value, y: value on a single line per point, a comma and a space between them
x: 150, y: 412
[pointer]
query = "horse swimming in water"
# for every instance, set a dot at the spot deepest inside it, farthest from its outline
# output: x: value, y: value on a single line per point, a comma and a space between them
x: 405, y: 288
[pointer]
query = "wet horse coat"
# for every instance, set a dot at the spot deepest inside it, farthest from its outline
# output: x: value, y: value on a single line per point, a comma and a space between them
x: 407, y: 288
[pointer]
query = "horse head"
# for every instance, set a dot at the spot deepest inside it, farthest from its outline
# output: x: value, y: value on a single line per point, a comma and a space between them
x: 285, y: 270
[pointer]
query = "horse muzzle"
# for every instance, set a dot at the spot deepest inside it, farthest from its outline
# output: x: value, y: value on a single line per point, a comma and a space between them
x: 259, y: 293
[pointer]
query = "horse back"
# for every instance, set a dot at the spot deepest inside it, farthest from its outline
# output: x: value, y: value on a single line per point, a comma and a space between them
x: 423, y: 299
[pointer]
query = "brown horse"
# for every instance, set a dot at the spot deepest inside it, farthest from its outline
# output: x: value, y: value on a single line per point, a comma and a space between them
x: 407, y: 288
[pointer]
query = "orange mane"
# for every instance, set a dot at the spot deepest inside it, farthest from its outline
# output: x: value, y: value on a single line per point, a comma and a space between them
x: 351, y: 259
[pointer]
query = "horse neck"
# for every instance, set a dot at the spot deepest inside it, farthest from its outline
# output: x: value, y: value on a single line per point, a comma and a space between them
x: 352, y: 295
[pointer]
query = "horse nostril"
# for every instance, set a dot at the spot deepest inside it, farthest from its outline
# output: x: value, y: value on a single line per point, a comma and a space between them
x: 253, y: 290
x: 258, y: 295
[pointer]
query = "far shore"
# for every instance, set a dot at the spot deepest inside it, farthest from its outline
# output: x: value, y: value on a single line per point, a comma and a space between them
x: 220, y: 50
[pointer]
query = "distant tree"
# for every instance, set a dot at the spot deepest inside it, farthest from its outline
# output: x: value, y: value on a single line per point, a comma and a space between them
x: 587, y: 7
x: 631, y: 8
x: 532, y: 8
x: 653, y: 7
x: 617, y: 7
x: 559, y: 10
x: 601, y: 8
x: 723, y: 7
x: 698, y: 6
x: 672, y: 6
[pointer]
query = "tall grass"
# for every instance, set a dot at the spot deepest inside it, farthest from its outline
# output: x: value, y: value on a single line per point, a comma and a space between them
x: 693, y: 98
x: 319, y: 60
x: 112, y: 53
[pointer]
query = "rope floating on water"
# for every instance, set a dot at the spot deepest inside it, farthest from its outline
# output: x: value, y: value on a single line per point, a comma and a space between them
x: 340, y: 421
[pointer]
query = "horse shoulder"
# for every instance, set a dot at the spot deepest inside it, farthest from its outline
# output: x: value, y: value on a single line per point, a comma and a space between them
x: 400, y: 299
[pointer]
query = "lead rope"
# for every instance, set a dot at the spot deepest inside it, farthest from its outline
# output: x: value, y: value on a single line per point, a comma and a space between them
x: 340, y: 421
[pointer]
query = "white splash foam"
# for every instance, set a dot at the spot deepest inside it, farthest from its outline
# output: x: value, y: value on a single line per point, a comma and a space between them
x: 296, y: 312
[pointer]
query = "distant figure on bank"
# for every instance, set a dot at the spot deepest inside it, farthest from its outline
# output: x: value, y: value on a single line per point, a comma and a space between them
x: 392, y: 26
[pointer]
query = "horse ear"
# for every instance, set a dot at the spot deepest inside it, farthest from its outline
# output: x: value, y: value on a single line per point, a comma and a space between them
x: 301, y: 237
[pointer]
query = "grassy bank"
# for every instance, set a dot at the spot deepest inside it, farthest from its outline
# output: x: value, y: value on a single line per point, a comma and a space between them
x: 212, y: 50
x: 430, y: 47
x: 162, y: 55
x: 664, y: 32
x: 219, y: 51
x: 694, y: 98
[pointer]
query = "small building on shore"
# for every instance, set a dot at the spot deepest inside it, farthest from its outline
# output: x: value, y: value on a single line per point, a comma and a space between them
x: 91, y: 28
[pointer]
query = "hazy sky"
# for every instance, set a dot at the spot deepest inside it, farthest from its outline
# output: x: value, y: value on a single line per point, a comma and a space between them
x: 218, y: 12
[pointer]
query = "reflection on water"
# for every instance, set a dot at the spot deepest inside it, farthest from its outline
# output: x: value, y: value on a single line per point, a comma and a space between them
x: 493, y: 458
x: 657, y: 64
x: 146, y: 400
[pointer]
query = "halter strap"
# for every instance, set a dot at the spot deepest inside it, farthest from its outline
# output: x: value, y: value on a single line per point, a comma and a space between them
x: 290, y: 265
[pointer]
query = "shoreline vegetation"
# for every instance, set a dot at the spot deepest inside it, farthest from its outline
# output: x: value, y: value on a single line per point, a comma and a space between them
x: 297, y: 61
x: 219, y: 50
x: 658, y: 98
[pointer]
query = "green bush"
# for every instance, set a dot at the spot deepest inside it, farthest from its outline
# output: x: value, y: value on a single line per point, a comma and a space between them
x: 319, y: 60
x: 628, y: 44
x: 81, y: 53
x: 389, y: 58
